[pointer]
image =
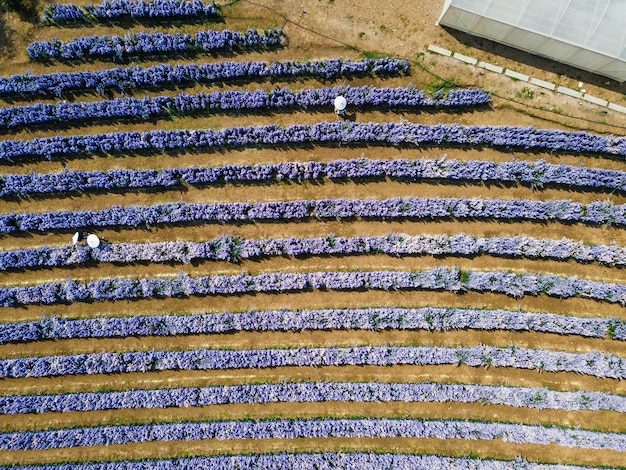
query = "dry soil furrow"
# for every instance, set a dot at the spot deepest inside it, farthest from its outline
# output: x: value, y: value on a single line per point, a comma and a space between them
x: 605, y: 421
x: 314, y: 300
x: 393, y: 374
x: 293, y: 191
x: 602, y: 235
x: 252, y: 156
x: 492, y: 449
x: 373, y: 262
x: 315, y: 339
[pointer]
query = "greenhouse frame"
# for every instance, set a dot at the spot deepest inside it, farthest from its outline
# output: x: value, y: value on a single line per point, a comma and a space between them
x: 587, y: 34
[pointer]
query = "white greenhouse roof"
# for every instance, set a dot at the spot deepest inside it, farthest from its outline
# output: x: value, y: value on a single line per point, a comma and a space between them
x: 593, y: 25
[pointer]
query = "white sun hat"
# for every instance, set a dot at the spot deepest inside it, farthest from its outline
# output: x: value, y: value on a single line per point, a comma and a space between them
x: 93, y: 241
x: 340, y: 103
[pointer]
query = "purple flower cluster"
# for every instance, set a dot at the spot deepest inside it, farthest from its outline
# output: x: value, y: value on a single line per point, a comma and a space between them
x: 129, y: 108
x: 235, y: 249
x: 136, y: 77
x: 592, y: 363
x: 594, y: 213
x: 325, y: 133
x: 536, y: 398
x: 126, y: 288
x: 318, y: 461
x: 440, y: 278
x: 108, y: 10
x: 535, y: 174
x: 313, y: 428
x: 120, y: 48
x: 376, y: 319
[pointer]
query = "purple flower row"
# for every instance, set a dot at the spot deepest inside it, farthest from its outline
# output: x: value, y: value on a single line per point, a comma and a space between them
x: 441, y: 135
x: 592, y: 363
x: 536, y: 398
x: 120, y: 48
x: 59, y: 13
x: 440, y: 278
x: 313, y: 428
x: 219, y: 101
x: 594, y: 213
x: 535, y: 174
x: 183, y: 285
x: 236, y: 249
x: 318, y: 461
x: 425, y: 318
x: 136, y: 77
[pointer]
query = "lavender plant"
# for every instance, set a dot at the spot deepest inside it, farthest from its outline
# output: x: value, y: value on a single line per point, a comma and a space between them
x: 111, y: 10
x: 314, y: 428
x: 136, y: 77
x: 534, y: 174
x: 439, y: 278
x: 319, y: 461
x: 593, y: 363
x: 237, y: 249
x: 374, y: 319
x: 142, y: 45
x: 323, y: 133
x: 594, y: 213
x: 135, y: 109
x: 521, y: 397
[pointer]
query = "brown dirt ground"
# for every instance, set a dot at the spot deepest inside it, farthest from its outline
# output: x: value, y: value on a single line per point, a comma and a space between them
x: 295, y: 192
x: 451, y: 447
x: 606, y: 421
x: 314, y: 339
x: 388, y: 374
x: 395, y: 27
x: 204, y: 232
x: 313, y: 264
x: 253, y: 156
x: 316, y: 299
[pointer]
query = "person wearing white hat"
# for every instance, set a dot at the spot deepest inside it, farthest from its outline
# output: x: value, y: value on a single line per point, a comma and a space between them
x: 340, y: 105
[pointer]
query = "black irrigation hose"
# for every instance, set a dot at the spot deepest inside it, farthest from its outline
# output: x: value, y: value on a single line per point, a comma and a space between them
x: 420, y: 65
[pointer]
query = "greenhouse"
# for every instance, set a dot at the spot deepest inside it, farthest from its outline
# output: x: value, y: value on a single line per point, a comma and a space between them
x: 588, y: 34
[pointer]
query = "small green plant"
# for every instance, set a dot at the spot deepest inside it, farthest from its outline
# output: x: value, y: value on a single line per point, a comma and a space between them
x: 611, y: 330
x: 383, y: 28
x: 525, y: 93
x: 442, y: 85
x: 372, y: 55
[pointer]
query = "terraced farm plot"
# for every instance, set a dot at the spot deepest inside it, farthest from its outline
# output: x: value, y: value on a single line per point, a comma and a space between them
x: 430, y: 280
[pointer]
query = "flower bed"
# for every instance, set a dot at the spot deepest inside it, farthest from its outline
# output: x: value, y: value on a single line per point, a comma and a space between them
x: 319, y: 461
x: 593, y: 363
x: 280, y: 99
x: 440, y: 278
x: 136, y: 77
x: 111, y: 10
x: 236, y: 249
x: 441, y: 135
x: 373, y: 319
x: 314, y: 428
x: 534, y: 174
x: 536, y: 398
x: 594, y: 213
x: 141, y: 45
